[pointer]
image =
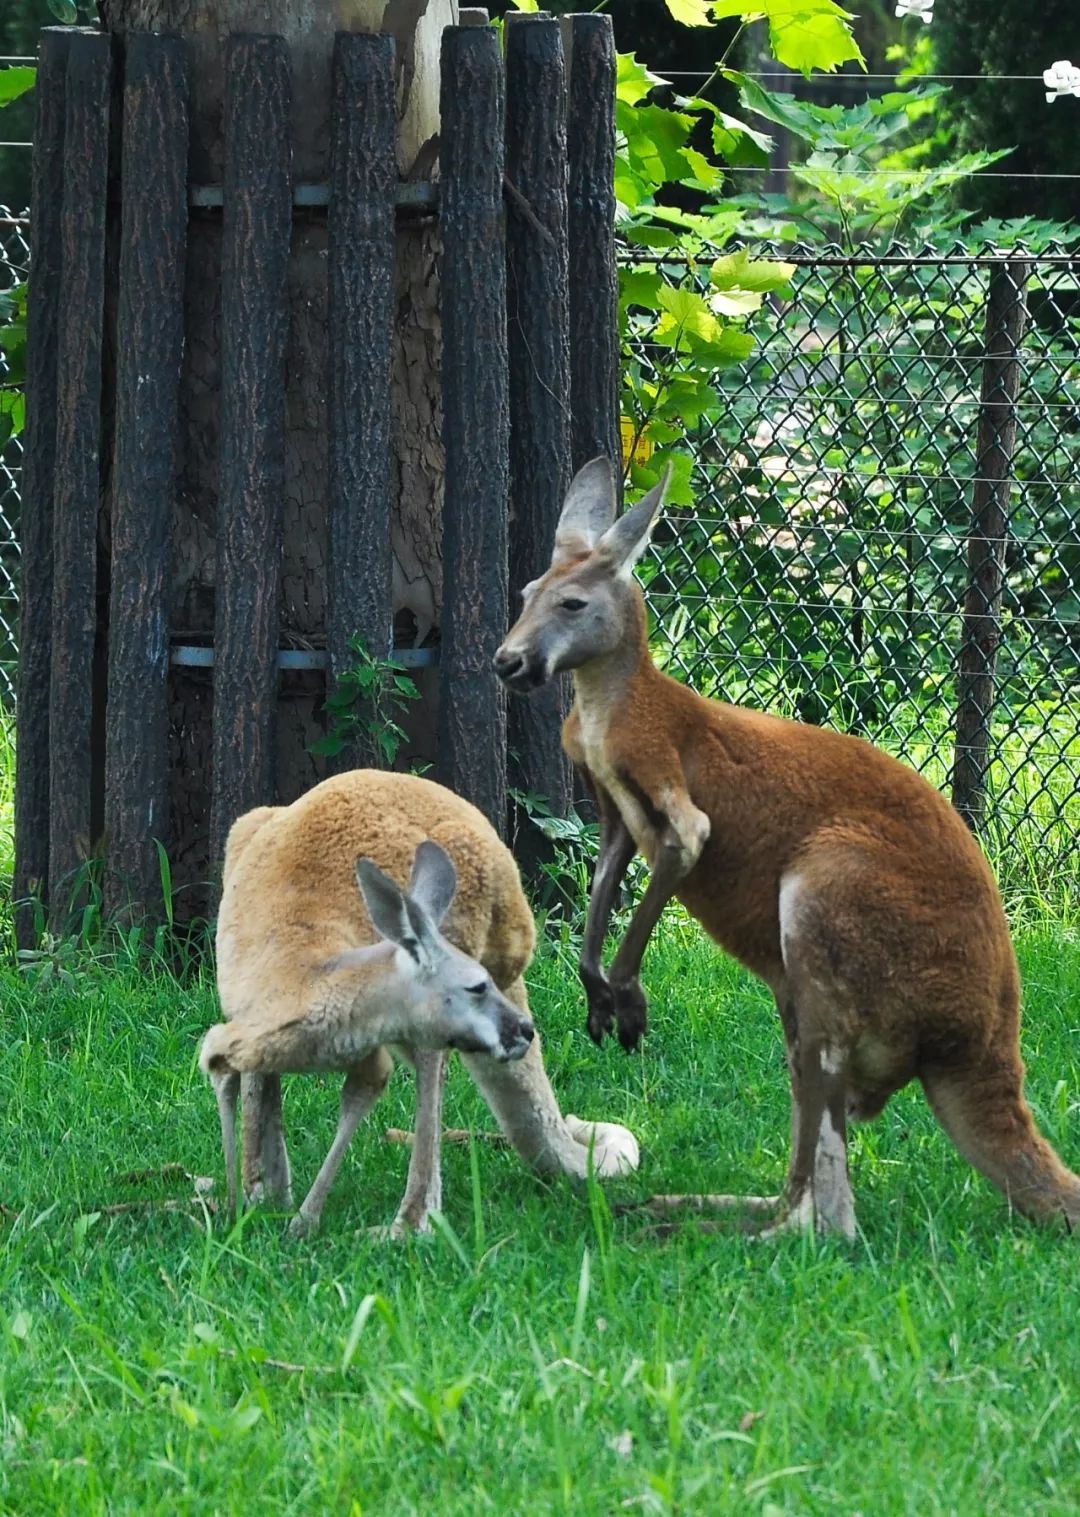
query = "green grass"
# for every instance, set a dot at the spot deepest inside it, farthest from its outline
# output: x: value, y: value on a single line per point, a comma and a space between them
x: 542, y: 1354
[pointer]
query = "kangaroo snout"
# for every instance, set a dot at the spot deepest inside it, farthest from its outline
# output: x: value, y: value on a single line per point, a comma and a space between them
x: 515, y: 1036
x: 519, y: 671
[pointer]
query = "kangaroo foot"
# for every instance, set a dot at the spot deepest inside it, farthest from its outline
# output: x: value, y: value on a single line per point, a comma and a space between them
x: 601, y: 1003
x: 631, y: 1013
x: 614, y: 1149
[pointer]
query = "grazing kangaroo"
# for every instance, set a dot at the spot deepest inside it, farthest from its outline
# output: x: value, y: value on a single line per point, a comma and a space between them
x: 310, y: 980
x: 835, y: 873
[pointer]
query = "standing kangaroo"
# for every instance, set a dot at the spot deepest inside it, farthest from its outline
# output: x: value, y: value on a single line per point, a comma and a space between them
x: 835, y: 873
x: 325, y: 956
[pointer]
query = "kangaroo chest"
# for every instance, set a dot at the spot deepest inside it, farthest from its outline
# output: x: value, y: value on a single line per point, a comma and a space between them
x: 589, y: 748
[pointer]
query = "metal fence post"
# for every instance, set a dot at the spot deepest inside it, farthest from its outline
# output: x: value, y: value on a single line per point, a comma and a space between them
x: 1006, y: 318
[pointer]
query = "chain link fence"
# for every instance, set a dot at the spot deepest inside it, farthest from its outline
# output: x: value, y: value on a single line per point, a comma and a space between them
x: 838, y: 536
x: 14, y: 259
x: 824, y: 568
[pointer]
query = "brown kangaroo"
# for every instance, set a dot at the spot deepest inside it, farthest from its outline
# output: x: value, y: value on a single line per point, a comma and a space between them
x: 839, y: 876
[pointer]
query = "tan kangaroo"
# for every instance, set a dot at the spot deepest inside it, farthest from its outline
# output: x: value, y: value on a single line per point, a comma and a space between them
x: 325, y: 955
x: 835, y: 873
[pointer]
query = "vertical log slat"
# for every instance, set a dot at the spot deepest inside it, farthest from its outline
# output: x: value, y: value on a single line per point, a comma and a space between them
x: 1006, y: 319
x: 257, y: 221
x: 363, y: 180
x: 77, y: 485
x: 39, y: 458
x: 538, y: 320
x: 594, y: 286
x: 150, y: 342
x: 472, y: 711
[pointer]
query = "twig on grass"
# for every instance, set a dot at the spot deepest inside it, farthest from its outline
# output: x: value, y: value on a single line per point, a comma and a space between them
x: 450, y: 1135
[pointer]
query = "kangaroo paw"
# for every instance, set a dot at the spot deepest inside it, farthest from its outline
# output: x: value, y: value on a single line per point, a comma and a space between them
x: 615, y: 1150
x: 631, y: 1013
x: 601, y: 1004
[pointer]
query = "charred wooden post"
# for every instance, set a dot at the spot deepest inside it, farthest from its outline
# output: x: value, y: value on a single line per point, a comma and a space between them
x: 39, y: 461
x: 149, y: 350
x: 73, y: 822
x: 1006, y: 319
x: 472, y: 712
x: 538, y: 317
x: 363, y: 180
x: 594, y: 285
x: 257, y: 221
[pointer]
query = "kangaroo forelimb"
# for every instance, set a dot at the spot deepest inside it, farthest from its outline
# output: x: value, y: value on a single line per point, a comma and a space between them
x: 616, y: 850
x: 630, y: 1003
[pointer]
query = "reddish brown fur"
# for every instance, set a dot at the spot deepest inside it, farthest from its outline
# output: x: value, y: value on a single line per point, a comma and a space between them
x: 900, y: 963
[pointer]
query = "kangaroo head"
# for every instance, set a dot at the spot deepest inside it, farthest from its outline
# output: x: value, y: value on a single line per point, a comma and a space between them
x: 444, y: 998
x: 582, y: 607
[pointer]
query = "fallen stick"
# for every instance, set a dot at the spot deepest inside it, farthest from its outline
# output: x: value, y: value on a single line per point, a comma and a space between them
x: 450, y: 1135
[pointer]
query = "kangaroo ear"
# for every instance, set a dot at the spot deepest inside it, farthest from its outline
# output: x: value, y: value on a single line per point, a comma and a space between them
x: 589, y: 507
x: 626, y: 540
x: 388, y: 907
x: 434, y: 880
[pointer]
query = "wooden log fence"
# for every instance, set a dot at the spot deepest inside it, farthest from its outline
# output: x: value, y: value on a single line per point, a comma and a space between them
x: 149, y: 350
x: 74, y: 799
x: 538, y: 313
x: 475, y: 419
x: 361, y: 317
x: 530, y: 352
x: 31, y: 879
x: 256, y: 226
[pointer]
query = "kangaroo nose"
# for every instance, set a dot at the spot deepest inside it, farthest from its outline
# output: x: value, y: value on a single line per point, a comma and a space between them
x: 526, y: 1031
x: 508, y: 664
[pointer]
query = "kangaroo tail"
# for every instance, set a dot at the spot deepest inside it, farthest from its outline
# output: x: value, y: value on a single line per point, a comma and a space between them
x: 983, y: 1110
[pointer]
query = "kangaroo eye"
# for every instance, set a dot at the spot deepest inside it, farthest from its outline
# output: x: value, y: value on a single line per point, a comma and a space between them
x: 476, y: 990
x: 572, y: 604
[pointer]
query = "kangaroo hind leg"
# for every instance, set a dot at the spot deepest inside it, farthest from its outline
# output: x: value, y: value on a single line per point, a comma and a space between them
x: 266, y: 1160
x: 981, y: 1106
x: 226, y: 1091
x: 818, y: 1193
x: 819, y: 1027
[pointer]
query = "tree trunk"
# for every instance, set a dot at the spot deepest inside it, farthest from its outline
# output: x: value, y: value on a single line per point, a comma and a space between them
x: 308, y: 27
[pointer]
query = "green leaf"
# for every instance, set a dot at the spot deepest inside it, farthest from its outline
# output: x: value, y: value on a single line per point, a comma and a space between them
x: 633, y: 81
x: 528, y: 6
x: 653, y: 237
x: 329, y: 747
x: 679, y: 493
x: 690, y: 12
x: 654, y: 139
x: 804, y: 34
x: 703, y: 174
x: 742, y: 272
x: 15, y: 82
x: 687, y: 311
x: 797, y: 116
x: 736, y: 302
x: 639, y: 287
x: 738, y: 144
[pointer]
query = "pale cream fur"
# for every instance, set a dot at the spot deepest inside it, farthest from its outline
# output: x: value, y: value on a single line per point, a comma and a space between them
x: 305, y: 984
